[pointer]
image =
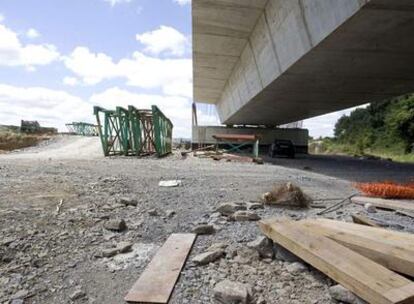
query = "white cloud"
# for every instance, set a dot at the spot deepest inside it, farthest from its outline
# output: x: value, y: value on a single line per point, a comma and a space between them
x: 92, y: 68
x: 55, y: 108
x: 172, y: 76
x: 182, y: 2
x: 70, y: 81
x: 115, y: 2
x: 164, y: 40
x: 32, y: 34
x: 50, y: 107
x: 2, y: 18
x: 14, y: 53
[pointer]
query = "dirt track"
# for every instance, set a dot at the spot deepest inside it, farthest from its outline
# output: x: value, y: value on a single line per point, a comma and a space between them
x: 51, y: 255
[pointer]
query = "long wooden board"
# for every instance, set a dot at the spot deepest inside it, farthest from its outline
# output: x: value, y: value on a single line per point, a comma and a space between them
x: 396, y: 238
x: 397, y: 254
x: 157, y: 282
x: 384, y: 203
x: 371, y: 281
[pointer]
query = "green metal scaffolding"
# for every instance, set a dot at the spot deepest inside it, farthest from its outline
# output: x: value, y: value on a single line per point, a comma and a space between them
x: 134, y: 132
x: 82, y: 128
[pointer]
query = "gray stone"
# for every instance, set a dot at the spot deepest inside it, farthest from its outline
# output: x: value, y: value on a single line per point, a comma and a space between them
x: 254, y: 206
x: 246, y: 256
x: 17, y: 301
x: 108, y: 253
x: 263, y: 246
x: 296, y: 268
x: 21, y: 294
x: 170, y: 213
x: 341, y: 294
x: 228, y: 292
x: 77, y: 294
x: 204, y: 229
x: 153, y: 212
x: 115, y: 225
x: 370, y: 208
x: 243, y: 216
x: 208, y: 257
x: 217, y: 246
x: 124, y: 247
x: 284, y: 255
x: 229, y: 208
x: 127, y: 201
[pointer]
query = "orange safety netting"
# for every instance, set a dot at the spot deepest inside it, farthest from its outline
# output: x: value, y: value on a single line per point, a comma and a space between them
x: 387, y: 189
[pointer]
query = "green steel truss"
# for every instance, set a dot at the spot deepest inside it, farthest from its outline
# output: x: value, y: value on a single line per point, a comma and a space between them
x: 83, y: 128
x: 133, y: 131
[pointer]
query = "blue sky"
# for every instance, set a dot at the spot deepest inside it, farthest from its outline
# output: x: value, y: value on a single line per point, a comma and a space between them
x: 58, y: 58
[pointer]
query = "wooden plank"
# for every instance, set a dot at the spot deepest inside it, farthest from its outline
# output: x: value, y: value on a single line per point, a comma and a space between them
x: 398, y: 256
x: 157, y: 282
x: 384, y: 203
x: 363, y: 220
x: 401, y: 239
x: 371, y: 281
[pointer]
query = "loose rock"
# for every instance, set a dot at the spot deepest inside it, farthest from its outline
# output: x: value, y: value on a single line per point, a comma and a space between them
x: 296, y: 268
x: 208, y: 257
x: 127, y: 201
x: 242, y: 216
x: 204, y: 229
x: 229, y: 208
x: 153, y: 212
x: 254, y: 206
x: 228, y: 292
x: 246, y: 256
x: 21, y: 294
x: 284, y: 255
x: 115, y: 225
x: 370, y: 208
x: 263, y: 246
x: 341, y: 294
x: 77, y: 294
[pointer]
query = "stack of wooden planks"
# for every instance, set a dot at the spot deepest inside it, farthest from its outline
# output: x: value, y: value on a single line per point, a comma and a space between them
x: 361, y: 258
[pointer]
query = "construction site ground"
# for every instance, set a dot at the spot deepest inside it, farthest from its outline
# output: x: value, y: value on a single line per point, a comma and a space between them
x: 56, y: 198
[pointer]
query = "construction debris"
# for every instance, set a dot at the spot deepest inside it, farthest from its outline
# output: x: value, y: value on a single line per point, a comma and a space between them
x: 388, y: 204
x: 170, y: 183
x: 157, y: 282
x: 287, y: 195
x: 370, y: 281
x: 390, y: 248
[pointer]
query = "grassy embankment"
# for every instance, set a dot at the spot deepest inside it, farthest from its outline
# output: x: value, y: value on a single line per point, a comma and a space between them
x: 10, y: 140
x: 330, y: 146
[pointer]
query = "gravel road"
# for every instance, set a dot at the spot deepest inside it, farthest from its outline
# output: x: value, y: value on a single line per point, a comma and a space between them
x: 50, y: 256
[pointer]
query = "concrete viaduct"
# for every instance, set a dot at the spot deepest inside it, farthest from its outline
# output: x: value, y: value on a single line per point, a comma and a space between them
x: 271, y: 62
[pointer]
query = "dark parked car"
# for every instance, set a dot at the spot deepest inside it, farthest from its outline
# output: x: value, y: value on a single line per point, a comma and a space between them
x: 282, y: 147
